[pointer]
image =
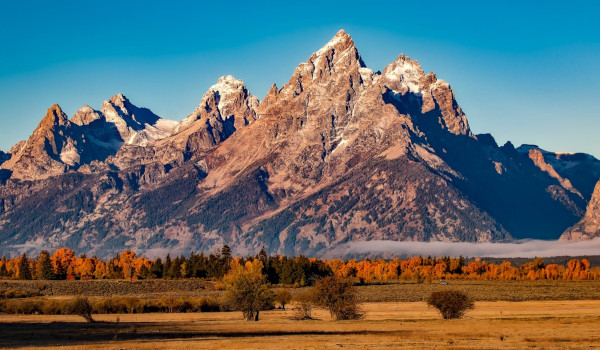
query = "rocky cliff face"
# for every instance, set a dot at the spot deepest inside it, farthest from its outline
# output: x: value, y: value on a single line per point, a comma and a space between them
x: 589, y: 226
x: 339, y: 153
x: 59, y: 144
x: 579, y: 169
x: 4, y: 157
x: 224, y: 109
x: 54, y: 147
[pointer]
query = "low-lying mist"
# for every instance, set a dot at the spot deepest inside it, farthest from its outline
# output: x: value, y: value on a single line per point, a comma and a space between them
x: 519, y: 249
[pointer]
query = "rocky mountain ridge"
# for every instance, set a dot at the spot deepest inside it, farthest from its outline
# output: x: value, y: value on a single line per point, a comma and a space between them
x: 339, y: 153
x: 58, y: 144
x: 589, y: 226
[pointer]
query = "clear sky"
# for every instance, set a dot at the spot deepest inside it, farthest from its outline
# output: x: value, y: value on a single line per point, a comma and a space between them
x: 525, y: 71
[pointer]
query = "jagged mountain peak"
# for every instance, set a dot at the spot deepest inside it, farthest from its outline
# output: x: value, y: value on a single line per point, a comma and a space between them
x: 229, y: 97
x: 119, y: 99
x: 338, y: 154
x: 227, y: 106
x: 341, y: 42
x: 406, y: 79
x: 226, y: 90
x: 85, y: 115
x: 338, y: 62
x: 226, y: 81
x: 339, y: 54
x: 54, y: 116
x: 135, y: 125
x: 404, y: 74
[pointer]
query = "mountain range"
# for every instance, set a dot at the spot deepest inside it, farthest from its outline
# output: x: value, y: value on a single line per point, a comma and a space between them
x: 338, y: 154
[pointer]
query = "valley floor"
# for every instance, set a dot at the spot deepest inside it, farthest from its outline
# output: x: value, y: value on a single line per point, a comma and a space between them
x: 410, y: 325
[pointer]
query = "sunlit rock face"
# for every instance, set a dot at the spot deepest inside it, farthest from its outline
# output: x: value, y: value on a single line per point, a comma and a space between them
x: 338, y: 154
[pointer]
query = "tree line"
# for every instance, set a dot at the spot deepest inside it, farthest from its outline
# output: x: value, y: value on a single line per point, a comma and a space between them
x: 294, y: 271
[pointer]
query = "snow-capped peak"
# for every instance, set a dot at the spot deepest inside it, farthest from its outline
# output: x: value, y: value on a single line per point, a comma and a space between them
x: 85, y: 115
x: 404, y: 72
x: 227, y: 86
x: 119, y: 99
x: 227, y: 97
x: 340, y: 37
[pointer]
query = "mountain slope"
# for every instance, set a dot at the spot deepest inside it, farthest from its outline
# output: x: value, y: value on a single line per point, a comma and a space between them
x: 4, y: 157
x: 589, y: 226
x: 339, y: 153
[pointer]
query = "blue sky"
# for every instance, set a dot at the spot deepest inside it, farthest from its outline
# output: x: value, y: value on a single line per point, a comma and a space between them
x: 524, y: 71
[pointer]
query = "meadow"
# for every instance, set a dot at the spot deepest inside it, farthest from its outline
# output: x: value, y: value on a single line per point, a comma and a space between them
x: 508, y: 314
x: 410, y: 325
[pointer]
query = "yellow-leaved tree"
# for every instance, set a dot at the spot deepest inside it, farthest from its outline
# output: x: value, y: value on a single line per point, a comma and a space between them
x: 247, y: 290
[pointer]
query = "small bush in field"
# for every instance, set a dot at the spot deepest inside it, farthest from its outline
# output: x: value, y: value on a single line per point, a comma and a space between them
x: 283, y: 297
x: 112, y: 305
x: 16, y: 293
x: 304, y: 306
x: 451, y: 303
x: 339, y: 297
x: 82, y: 307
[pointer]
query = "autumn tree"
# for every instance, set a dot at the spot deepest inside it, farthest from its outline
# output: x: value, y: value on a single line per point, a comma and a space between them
x: 127, y: 263
x: 246, y: 289
x: 283, y: 297
x: 62, y: 261
x: 339, y: 297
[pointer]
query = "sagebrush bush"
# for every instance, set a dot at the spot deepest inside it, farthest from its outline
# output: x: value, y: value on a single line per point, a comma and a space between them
x: 283, y: 297
x: 304, y: 306
x: 16, y: 293
x: 114, y: 305
x: 339, y: 297
x: 81, y: 306
x: 451, y: 303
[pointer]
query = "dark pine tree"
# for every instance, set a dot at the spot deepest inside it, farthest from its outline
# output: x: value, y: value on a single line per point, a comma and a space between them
x: 24, y: 270
x: 45, y: 269
x: 167, y: 267
x: 226, y: 252
x: 156, y: 269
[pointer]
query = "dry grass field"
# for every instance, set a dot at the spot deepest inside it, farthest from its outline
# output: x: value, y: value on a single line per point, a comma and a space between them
x: 410, y: 325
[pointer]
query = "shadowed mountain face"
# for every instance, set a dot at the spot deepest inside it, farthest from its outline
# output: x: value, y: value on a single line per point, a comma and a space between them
x: 589, y: 226
x: 4, y: 157
x: 338, y: 154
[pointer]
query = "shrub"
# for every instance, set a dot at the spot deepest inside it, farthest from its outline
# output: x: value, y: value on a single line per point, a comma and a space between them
x: 305, y: 304
x: 451, y: 303
x: 22, y: 306
x: 113, y: 305
x: 339, y: 297
x: 283, y: 297
x: 16, y: 293
x: 82, y: 307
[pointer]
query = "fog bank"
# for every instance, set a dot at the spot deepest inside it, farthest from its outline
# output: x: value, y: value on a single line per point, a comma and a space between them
x: 519, y: 249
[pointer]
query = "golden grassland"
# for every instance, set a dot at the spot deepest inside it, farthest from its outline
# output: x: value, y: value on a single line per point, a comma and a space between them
x: 410, y: 325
